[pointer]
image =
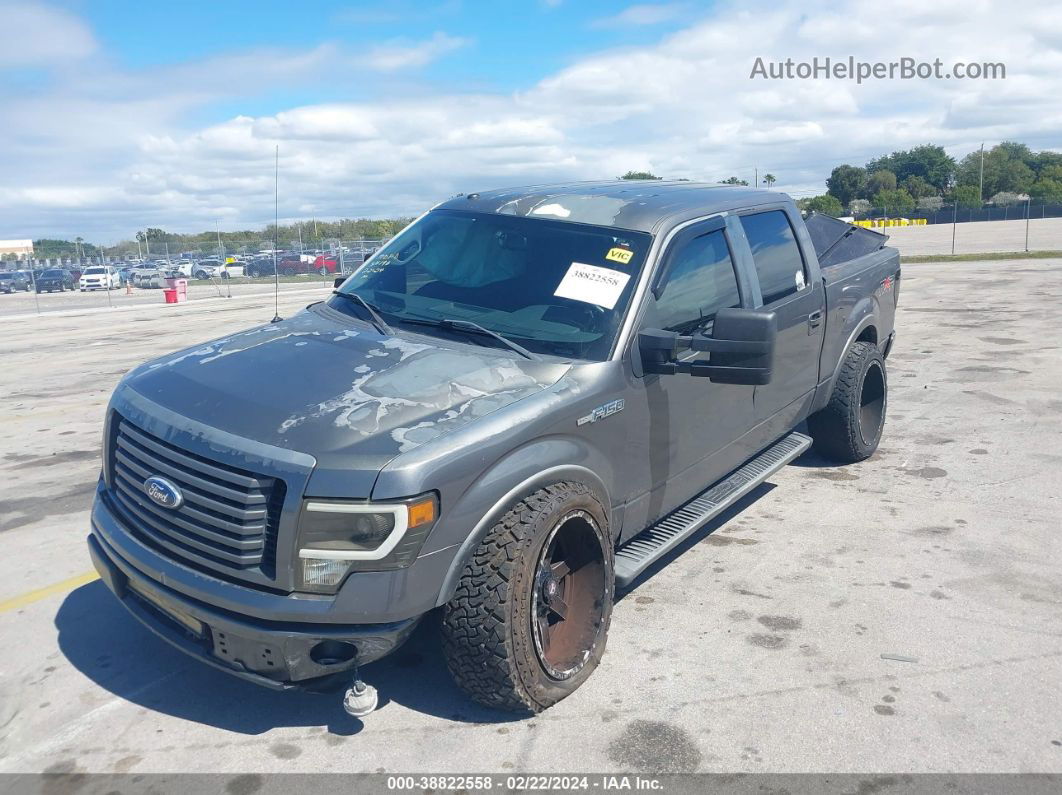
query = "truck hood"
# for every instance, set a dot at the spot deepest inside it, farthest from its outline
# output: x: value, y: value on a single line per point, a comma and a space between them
x: 323, y: 384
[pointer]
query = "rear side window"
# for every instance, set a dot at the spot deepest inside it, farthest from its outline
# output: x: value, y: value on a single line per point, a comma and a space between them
x: 776, y: 254
x: 699, y: 282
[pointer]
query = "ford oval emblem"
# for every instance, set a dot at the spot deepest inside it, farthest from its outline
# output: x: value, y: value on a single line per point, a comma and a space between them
x: 164, y: 492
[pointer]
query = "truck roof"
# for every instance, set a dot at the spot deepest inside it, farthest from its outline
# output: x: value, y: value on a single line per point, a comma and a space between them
x: 640, y: 205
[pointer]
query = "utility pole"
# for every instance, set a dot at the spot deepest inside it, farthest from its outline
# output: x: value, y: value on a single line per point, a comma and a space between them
x: 756, y: 184
x: 981, y: 184
x: 1027, y: 201
x: 954, y: 225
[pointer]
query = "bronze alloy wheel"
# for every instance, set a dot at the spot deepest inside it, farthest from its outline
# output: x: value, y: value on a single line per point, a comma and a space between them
x: 569, y: 596
x: 872, y: 403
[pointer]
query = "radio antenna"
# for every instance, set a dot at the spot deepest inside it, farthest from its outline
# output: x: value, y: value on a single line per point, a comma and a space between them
x: 276, y: 232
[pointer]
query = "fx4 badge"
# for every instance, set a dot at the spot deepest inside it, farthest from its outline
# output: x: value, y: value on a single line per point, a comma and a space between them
x: 601, y: 412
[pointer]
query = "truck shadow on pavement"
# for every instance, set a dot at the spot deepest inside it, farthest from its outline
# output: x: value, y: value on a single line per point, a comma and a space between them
x: 108, y: 645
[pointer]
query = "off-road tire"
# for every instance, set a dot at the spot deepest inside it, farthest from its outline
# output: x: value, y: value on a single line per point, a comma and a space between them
x: 487, y: 637
x: 836, y: 430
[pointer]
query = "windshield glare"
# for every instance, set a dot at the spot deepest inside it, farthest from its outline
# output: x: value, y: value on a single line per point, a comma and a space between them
x: 554, y: 287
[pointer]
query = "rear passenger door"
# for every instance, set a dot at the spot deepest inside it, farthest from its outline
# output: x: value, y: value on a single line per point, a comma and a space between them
x: 785, y: 285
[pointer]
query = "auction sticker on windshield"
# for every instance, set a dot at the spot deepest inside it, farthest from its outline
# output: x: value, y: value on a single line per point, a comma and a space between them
x: 592, y: 285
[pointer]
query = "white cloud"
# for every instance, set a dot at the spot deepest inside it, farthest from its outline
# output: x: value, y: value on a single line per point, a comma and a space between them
x: 116, y: 151
x: 403, y: 54
x: 32, y: 34
x: 645, y: 14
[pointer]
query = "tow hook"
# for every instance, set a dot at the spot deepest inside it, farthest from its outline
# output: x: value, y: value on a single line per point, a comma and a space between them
x: 360, y: 699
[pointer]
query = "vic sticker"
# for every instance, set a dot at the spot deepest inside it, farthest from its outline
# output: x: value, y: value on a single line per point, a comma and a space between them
x: 620, y: 255
x: 592, y: 285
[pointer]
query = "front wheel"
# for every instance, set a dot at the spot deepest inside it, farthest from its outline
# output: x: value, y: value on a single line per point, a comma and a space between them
x: 849, y: 427
x: 529, y: 621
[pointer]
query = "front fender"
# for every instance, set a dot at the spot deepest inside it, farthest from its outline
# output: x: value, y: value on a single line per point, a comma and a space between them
x: 510, y: 479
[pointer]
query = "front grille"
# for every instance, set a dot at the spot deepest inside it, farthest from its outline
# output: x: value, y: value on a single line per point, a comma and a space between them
x: 228, y: 521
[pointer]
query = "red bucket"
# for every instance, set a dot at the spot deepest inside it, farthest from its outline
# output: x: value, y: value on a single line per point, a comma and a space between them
x: 171, y: 296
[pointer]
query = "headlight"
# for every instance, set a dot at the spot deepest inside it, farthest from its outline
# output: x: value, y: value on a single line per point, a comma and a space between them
x: 336, y: 538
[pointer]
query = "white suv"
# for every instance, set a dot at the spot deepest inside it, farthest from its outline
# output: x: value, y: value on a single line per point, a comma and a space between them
x: 99, y: 277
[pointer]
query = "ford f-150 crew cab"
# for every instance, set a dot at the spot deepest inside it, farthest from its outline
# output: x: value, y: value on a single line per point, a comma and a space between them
x: 511, y: 410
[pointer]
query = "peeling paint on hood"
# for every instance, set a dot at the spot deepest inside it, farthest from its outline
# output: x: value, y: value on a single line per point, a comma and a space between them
x: 313, y: 383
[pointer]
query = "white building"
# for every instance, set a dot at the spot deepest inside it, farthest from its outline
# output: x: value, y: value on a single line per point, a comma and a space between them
x: 19, y: 248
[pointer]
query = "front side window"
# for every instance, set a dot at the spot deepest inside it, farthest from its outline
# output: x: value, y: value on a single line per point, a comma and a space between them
x: 553, y: 287
x: 775, y: 253
x: 699, y: 281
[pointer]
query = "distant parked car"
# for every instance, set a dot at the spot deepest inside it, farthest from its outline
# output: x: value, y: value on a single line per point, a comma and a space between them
x: 207, y: 268
x: 55, y: 280
x: 326, y: 263
x: 261, y: 266
x: 293, y: 264
x: 12, y: 281
x: 100, y: 277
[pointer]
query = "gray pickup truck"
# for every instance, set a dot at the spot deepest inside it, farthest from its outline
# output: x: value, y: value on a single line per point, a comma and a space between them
x: 506, y: 414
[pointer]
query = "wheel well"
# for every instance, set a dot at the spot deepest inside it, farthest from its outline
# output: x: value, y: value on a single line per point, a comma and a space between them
x: 869, y: 334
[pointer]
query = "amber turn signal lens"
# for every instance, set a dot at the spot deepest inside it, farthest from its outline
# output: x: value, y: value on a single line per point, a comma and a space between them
x: 422, y: 512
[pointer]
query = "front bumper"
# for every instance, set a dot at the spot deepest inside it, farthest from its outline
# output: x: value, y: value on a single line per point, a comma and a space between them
x: 275, y: 654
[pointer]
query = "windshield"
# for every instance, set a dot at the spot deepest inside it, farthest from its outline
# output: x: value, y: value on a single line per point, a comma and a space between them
x: 52, y: 273
x: 553, y: 287
x: 94, y: 271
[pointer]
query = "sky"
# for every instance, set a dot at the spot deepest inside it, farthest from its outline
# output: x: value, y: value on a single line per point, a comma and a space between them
x: 116, y: 116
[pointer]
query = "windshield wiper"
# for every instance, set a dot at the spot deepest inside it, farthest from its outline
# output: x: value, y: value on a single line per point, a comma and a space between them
x: 475, y: 328
x: 374, y: 313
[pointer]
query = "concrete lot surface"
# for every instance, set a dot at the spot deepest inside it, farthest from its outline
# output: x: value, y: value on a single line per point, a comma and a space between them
x: 977, y: 237
x: 759, y: 648
x: 22, y: 303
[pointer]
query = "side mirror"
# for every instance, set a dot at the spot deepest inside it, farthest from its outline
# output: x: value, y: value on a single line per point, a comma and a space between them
x: 338, y: 282
x: 741, y: 349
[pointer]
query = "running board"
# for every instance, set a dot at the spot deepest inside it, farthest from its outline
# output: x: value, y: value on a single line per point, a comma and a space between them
x: 659, y: 539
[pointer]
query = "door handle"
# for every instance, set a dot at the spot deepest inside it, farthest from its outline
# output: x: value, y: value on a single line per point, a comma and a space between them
x: 815, y: 318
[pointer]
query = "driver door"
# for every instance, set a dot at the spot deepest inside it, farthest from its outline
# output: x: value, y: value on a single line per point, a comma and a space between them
x: 691, y: 420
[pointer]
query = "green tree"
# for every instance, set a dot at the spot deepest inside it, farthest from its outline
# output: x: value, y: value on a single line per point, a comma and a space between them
x: 928, y: 161
x: 1048, y: 191
x: 918, y: 187
x: 846, y: 183
x: 965, y: 196
x: 825, y: 204
x: 732, y: 181
x: 1005, y: 169
x: 769, y: 180
x: 880, y: 180
x: 639, y: 175
x: 894, y: 201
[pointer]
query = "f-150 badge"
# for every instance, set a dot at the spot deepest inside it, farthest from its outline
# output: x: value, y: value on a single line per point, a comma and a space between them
x: 601, y: 412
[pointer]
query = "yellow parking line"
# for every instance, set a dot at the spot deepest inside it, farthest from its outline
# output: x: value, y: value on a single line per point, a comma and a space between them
x: 30, y: 597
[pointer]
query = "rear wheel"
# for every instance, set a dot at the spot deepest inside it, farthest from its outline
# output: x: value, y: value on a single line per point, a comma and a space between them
x: 849, y: 427
x: 529, y: 621
x: 287, y: 271
x: 323, y: 270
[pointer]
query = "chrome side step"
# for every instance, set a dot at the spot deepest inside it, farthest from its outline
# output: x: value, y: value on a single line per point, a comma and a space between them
x: 659, y: 539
